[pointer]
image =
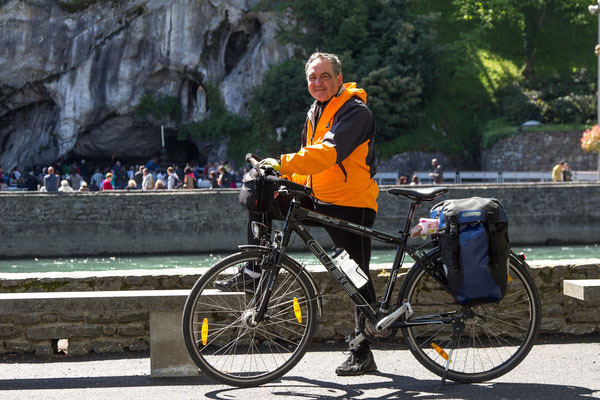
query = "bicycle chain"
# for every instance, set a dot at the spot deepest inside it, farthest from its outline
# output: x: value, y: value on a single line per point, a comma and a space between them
x: 367, y: 328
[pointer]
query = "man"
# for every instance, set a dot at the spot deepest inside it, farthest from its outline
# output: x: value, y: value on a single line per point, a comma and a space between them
x: 336, y: 161
x: 51, y: 181
x: 139, y: 177
x: 148, y: 180
x: 173, y: 179
x: 31, y: 181
x: 122, y: 178
x: 438, y: 172
x: 96, y: 180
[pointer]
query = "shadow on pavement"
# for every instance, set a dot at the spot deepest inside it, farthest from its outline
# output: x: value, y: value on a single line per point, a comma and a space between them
x: 401, y: 387
x: 390, y: 386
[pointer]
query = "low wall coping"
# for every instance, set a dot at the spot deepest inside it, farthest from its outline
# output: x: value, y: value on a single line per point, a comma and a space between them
x: 582, y: 289
x: 138, y: 300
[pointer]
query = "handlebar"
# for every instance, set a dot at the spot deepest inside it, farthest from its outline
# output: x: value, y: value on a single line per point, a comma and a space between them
x: 269, y: 175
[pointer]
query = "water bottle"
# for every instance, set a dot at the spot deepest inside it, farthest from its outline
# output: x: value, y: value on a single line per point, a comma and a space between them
x: 350, y: 268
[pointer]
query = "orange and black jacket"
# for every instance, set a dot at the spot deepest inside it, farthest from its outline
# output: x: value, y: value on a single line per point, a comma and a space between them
x: 337, y: 151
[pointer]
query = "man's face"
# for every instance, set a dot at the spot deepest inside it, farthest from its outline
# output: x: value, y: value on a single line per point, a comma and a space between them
x: 322, y: 85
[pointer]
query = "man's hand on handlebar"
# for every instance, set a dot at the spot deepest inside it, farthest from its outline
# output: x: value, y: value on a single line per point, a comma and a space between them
x: 270, y: 163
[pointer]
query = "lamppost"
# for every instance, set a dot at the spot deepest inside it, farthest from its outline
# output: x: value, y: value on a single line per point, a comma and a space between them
x: 595, y: 10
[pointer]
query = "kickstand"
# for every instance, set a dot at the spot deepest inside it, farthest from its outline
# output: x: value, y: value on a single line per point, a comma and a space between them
x: 457, y: 329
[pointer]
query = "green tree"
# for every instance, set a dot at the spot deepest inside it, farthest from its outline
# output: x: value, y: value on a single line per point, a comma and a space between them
x: 280, y: 104
x: 527, y: 16
x: 383, y: 46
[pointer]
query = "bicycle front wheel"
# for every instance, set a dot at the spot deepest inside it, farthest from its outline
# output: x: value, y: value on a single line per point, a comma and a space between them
x: 495, y: 337
x: 220, y: 332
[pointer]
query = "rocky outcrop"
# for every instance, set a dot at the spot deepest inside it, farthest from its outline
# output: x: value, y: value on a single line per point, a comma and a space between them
x: 72, y: 73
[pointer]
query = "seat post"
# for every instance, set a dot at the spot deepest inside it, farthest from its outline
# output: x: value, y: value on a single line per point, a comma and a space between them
x: 411, y: 214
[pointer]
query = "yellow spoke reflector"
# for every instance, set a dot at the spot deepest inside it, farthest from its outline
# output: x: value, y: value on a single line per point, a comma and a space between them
x: 509, y: 278
x: 440, y: 351
x: 297, y: 310
x: 204, y: 331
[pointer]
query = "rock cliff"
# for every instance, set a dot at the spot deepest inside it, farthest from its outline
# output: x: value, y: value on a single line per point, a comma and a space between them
x: 72, y: 72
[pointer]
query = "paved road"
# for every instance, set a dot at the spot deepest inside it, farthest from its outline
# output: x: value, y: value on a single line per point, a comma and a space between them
x: 551, y: 371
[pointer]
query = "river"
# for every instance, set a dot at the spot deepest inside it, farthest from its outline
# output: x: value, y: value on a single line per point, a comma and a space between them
x: 205, y: 260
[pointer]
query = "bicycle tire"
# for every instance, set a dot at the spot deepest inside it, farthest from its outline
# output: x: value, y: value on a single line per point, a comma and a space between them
x: 495, y: 339
x: 235, y: 353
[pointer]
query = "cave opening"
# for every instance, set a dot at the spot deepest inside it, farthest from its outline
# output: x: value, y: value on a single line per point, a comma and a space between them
x: 237, y: 44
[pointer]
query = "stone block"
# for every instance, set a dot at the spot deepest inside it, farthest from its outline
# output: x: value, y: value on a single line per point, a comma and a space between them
x: 18, y: 346
x: 552, y: 325
x: 109, y: 330
x: 43, y: 349
x: 52, y: 317
x: 26, y: 319
x: 344, y: 327
x: 132, y: 317
x: 9, y: 330
x: 139, y: 345
x: 168, y: 353
x: 100, y: 318
x: 324, y: 332
x: 107, y: 346
x: 72, y: 317
x: 62, y: 331
x: 582, y: 289
x: 581, y: 329
x: 79, y: 347
x: 134, y: 280
x: 188, y: 281
x: 131, y: 330
x: 584, y: 315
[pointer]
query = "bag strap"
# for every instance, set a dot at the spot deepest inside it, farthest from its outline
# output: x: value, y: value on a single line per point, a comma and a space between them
x: 454, y: 231
x: 492, y: 219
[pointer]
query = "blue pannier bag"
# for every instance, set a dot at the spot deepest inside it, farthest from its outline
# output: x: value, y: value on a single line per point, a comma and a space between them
x: 474, y: 245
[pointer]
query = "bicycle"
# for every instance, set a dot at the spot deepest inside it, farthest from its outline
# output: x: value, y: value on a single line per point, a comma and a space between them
x: 255, y: 336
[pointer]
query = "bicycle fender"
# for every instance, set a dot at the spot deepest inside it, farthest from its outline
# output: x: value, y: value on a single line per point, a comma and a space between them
x: 250, y: 247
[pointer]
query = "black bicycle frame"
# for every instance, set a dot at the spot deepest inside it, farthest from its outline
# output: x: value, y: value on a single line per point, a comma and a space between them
x: 293, y: 223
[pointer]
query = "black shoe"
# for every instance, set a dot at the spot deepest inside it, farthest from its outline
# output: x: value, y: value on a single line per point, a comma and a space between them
x: 357, y: 365
x: 240, y: 282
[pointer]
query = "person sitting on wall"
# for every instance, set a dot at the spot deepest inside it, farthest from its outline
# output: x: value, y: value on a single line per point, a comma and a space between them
x: 557, y: 172
x: 567, y: 173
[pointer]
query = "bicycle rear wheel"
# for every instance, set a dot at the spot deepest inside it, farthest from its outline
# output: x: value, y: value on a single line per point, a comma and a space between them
x: 220, y: 334
x: 495, y: 337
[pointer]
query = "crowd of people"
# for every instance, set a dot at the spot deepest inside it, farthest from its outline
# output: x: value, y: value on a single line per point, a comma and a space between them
x: 79, y: 177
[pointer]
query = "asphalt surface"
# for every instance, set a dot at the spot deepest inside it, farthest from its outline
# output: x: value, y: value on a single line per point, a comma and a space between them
x: 550, y: 371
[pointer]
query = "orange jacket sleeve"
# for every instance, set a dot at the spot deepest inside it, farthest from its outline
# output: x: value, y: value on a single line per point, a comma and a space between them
x: 309, y: 160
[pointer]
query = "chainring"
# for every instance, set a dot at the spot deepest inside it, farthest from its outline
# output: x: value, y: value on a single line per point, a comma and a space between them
x: 367, y: 328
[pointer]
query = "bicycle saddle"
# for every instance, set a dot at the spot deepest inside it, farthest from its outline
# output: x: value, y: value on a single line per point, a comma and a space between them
x: 425, y: 194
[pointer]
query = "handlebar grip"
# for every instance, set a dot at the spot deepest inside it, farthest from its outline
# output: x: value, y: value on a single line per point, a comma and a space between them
x: 253, y: 159
x: 289, y: 184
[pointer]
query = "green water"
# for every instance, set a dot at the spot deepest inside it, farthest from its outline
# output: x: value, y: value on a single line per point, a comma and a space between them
x: 72, y: 264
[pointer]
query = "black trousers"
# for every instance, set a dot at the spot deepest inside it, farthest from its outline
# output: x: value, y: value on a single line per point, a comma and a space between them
x: 357, y: 246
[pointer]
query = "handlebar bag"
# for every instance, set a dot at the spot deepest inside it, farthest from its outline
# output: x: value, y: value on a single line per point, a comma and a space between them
x: 256, y: 193
x: 474, y: 244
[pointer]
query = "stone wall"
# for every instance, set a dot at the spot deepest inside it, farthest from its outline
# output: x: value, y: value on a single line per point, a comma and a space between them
x: 101, y: 332
x: 47, y: 225
x: 538, y: 151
